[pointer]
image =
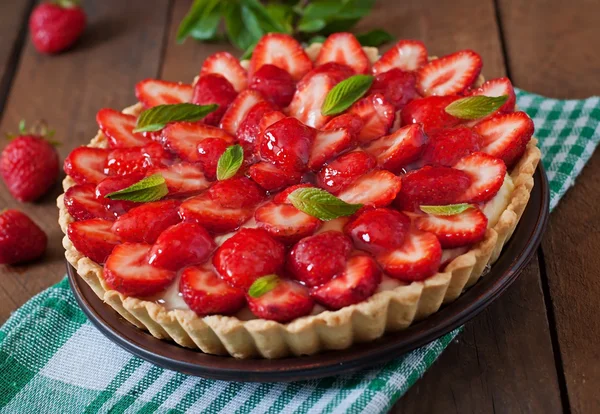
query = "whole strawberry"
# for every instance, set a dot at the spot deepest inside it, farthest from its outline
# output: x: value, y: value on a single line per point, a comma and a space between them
x: 21, y: 240
x: 29, y: 165
x: 56, y: 26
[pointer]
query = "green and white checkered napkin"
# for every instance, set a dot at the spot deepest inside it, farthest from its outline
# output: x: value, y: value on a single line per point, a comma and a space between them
x: 52, y: 360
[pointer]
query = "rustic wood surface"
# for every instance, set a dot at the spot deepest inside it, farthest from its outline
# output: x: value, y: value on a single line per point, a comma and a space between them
x: 534, y: 349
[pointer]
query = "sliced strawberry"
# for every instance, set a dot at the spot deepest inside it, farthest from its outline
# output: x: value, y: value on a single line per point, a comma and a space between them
x: 127, y: 271
x: 499, y: 87
x: 225, y: 64
x: 213, y: 89
x: 112, y: 184
x: 212, y: 215
x: 450, y: 74
x: 86, y: 164
x: 153, y: 92
x: 447, y: 146
x: 136, y: 160
x: 336, y: 71
x: 308, y: 100
x: 344, y: 48
x: 82, y: 204
x: 146, y: 222
x: 506, y: 136
x: 407, y: 55
x: 487, y: 175
x: 285, y: 222
x: 272, y: 178
x: 351, y: 122
x: 287, y: 144
x: 236, y: 193
x: 269, y: 119
x: 239, y: 108
x: 282, y: 197
x: 118, y: 129
x: 181, y: 245
x: 183, y: 138
x: 287, y: 301
x: 249, y: 131
x: 282, y: 51
x: 417, y: 259
x: 397, y: 86
x: 183, y: 180
x: 206, y: 293
x: 275, y: 84
x: 458, y: 230
x: 328, y: 145
x: 378, y: 230
x: 432, y: 186
x: 93, y: 238
x: 430, y: 112
x: 400, y: 148
x: 376, y: 113
x: 344, y: 170
x: 377, y: 188
x: 209, y: 152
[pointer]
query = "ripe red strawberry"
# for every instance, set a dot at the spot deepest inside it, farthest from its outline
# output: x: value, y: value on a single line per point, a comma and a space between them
x: 429, y: 112
x: 181, y: 245
x: 316, y: 259
x: 138, y: 160
x: 213, y: 89
x: 225, y: 64
x: 377, y: 115
x: 336, y: 71
x: 344, y: 48
x: 82, y: 204
x: 248, y: 255
x: 237, y: 111
x: 86, y: 164
x: 285, y: 222
x: 269, y: 119
x: 282, y: 51
x: 308, y: 100
x: 109, y: 185
x: 417, y: 259
x: 238, y: 192
x: 271, y: 178
x: 206, y: 293
x: 21, y: 240
x: 118, y: 129
x: 145, y: 223
x: 55, y: 27
x: 447, y: 146
x: 183, y: 138
x: 378, y: 230
x: 249, y: 131
x: 487, y: 176
x: 458, y: 230
x: 29, y: 167
x: 183, y: 180
x: 153, y: 92
x: 432, y: 186
x: 357, y: 282
x: 397, y: 86
x: 498, y: 87
x: 287, y: 144
x: 351, y: 122
x: 377, y: 188
x: 209, y: 152
x: 210, y: 214
x: 344, y: 170
x: 400, y: 148
x: 93, y: 238
x: 406, y: 55
x: 328, y: 145
x: 127, y: 271
x: 287, y: 301
x: 450, y: 74
x: 275, y: 84
x: 506, y: 136
x: 282, y: 197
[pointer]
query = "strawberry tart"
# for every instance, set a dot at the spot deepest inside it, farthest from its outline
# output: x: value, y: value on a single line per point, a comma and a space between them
x: 304, y: 200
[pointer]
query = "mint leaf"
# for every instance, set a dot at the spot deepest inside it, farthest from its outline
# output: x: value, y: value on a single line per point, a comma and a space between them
x: 234, y: 25
x: 267, y: 23
x: 374, y: 38
x: 283, y: 14
x: 230, y: 162
x: 317, y: 39
x: 345, y: 93
x: 251, y: 22
x: 311, y: 26
x: 321, y: 204
x: 475, y: 107
x: 155, y: 119
x: 447, y: 210
x: 206, y: 27
x: 355, y: 9
x: 190, y: 20
x: 321, y: 9
x: 151, y: 188
x: 263, y: 285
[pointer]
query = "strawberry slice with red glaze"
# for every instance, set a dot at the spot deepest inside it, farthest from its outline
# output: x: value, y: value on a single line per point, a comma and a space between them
x: 206, y: 293
x: 344, y: 48
x: 127, y: 271
x: 328, y: 145
x: 378, y: 230
x: 136, y: 160
x: 430, y: 112
x: 238, y: 192
x: 209, y: 152
x: 285, y: 222
x: 377, y: 188
x: 93, y: 238
x: 336, y: 71
x: 210, y: 214
x: 377, y: 115
x: 275, y: 84
x: 238, y: 110
x: 344, y: 170
x: 181, y: 245
x: 487, y: 176
x: 213, y: 89
x: 450, y: 74
x: 86, y: 164
x: 226, y: 65
x: 183, y: 138
x: 249, y: 131
x: 397, y: 86
x: 269, y: 119
x: 457, y: 230
x: 287, y: 144
x: 146, y: 222
x: 153, y: 92
x: 351, y: 122
x: 282, y: 51
x: 271, y: 178
x: 118, y: 129
x: 498, y: 87
x: 82, y: 204
x: 357, y: 282
x: 287, y: 301
x: 308, y: 100
x: 506, y: 136
x: 447, y: 146
x: 183, y: 180
x: 417, y: 259
x: 399, y: 148
x: 406, y: 55
x: 112, y: 184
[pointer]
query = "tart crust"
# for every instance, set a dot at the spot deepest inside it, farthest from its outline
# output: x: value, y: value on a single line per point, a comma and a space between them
x: 386, y: 311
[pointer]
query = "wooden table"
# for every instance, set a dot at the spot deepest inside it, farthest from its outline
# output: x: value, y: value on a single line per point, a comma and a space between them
x: 536, y: 348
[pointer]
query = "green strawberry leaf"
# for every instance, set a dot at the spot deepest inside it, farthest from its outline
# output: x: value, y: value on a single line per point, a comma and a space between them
x: 374, y: 38
x: 345, y: 93
x: 475, y: 107
x: 156, y: 118
x: 263, y: 285
x: 230, y: 162
x: 148, y: 189
x: 321, y: 204
x: 447, y: 210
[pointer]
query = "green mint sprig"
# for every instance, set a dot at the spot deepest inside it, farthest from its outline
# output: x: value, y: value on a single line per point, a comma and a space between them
x: 148, y: 189
x: 345, y: 93
x: 475, y: 107
x: 157, y: 117
x: 321, y: 204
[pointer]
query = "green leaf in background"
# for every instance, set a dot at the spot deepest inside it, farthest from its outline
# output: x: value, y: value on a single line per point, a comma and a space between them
x: 267, y: 23
x: 282, y: 13
x: 374, y: 38
x: 355, y: 9
x: 475, y: 107
x: 248, y: 52
x: 155, y: 119
x: 234, y: 25
x: 148, y: 189
x: 230, y: 162
x: 263, y: 285
x: 345, y: 93
x: 447, y: 210
x: 321, y: 9
x: 207, y: 25
x: 251, y: 22
x: 321, y: 204
x: 311, y: 26
x: 317, y: 39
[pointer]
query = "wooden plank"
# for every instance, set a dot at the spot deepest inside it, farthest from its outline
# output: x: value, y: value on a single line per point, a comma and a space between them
x: 121, y: 46
x: 548, y: 45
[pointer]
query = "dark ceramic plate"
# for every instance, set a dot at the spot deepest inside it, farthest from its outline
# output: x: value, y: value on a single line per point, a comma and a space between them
x: 515, y: 255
